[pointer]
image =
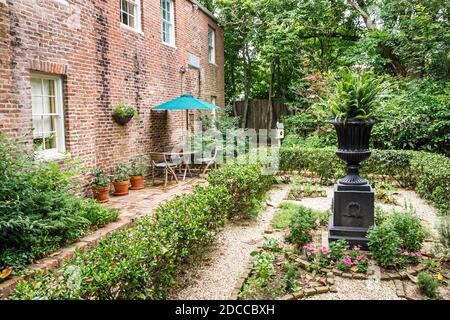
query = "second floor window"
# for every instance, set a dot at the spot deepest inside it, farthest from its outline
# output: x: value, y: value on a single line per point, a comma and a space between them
x: 168, y: 22
x: 211, y: 45
x: 130, y: 13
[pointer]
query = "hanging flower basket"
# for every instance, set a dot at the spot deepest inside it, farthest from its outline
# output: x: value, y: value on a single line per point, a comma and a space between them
x: 122, y: 120
x: 123, y: 114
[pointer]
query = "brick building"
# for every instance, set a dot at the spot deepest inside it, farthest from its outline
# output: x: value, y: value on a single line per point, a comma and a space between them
x: 65, y: 64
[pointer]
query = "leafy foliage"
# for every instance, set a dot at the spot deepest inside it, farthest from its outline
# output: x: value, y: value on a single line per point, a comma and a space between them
x: 397, y: 240
x: 122, y: 172
x: 100, y: 178
x: 123, y: 110
x: 356, y: 96
x: 138, y: 166
x: 38, y: 212
x: 301, y: 224
x: 142, y: 262
x: 428, y: 173
x: 246, y: 184
x: 427, y: 284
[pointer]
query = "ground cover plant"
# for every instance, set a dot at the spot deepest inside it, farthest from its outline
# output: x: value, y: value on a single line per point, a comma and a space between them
x: 38, y: 210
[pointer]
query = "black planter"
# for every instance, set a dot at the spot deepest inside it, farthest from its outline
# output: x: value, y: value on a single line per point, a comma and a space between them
x: 122, y: 120
x: 353, y: 147
x: 354, y: 197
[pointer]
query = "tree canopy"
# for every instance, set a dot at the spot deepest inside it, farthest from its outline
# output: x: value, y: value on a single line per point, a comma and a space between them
x: 281, y: 49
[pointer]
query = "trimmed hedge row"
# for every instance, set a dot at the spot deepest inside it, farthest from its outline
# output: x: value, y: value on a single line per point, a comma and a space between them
x: 141, y: 262
x: 428, y: 173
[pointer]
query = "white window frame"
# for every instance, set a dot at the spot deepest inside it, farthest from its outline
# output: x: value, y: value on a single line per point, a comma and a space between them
x: 136, y: 15
x: 211, y: 45
x: 171, y: 23
x: 58, y: 152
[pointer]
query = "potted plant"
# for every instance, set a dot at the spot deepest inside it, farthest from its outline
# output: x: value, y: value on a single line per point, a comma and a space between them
x: 121, y: 179
x: 100, y: 185
x: 352, y: 106
x: 123, y: 114
x: 138, y: 168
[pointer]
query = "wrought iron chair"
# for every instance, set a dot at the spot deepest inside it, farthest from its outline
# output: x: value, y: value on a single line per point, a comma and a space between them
x: 161, y: 162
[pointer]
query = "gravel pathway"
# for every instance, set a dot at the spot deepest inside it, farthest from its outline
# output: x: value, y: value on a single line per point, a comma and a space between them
x: 350, y: 289
x: 217, y: 277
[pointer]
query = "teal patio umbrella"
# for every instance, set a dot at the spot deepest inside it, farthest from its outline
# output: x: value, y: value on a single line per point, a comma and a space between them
x: 185, y: 102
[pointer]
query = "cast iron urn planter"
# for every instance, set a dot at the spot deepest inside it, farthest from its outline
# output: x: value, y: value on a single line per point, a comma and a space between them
x: 353, y: 201
x: 122, y: 120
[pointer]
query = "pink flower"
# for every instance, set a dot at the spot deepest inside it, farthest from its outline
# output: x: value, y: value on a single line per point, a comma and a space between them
x: 356, y: 248
x: 308, y: 253
x: 332, y: 262
x: 361, y: 256
x: 355, y: 262
x: 419, y: 254
x: 413, y: 254
x: 406, y: 253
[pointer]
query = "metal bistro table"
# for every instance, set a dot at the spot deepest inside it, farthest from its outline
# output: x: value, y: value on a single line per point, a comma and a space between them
x: 183, y: 158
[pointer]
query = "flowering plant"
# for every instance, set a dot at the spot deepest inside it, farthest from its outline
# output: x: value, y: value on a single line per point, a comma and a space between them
x: 339, y: 255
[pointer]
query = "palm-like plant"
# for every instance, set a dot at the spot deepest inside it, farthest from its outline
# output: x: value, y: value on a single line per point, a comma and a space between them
x: 357, y: 95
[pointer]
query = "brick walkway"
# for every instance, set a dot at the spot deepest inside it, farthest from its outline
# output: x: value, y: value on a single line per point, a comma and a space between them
x: 133, y: 206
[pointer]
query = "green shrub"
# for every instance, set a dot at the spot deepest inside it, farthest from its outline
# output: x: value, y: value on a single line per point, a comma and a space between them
x: 38, y: 212
x: 397, y: 240
x: 409, y: 230
x: 246, y: 184
x: 301, y: 224
x: 142, y: 262
x: 428, y: 285
x: 385, y: 244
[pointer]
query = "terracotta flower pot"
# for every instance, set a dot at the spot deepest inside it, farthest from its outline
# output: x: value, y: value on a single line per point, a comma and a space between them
x: 101, y: 194
x: 121, y: 188
x: 137, y: 182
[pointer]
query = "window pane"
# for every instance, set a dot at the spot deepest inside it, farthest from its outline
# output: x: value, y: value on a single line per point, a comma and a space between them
x: 36, y: 87
x: 36, y: 105
x: 37, y: 127
x: 124, y: 18
x: 124, y: 5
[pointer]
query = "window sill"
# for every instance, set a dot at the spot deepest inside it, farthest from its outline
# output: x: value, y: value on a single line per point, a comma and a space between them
x: 50, y: 155
x: 124, y: 26
x: 170, y: 45
x: 213, y: 64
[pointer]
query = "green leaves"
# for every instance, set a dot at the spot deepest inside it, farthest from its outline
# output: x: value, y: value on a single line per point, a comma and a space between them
x: 357, y: 95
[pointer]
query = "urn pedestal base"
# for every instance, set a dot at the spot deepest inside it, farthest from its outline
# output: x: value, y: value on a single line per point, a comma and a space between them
x: 353, y: 213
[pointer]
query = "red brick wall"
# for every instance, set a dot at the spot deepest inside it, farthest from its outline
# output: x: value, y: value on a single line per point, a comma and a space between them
x: 102, y: 64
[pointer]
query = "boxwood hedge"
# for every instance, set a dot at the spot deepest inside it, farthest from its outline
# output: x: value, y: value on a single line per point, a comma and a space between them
x: 142, y: 262
x: 428, y: 173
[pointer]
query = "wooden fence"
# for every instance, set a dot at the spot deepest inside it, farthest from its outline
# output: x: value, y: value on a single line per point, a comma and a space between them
x: 257, y: 113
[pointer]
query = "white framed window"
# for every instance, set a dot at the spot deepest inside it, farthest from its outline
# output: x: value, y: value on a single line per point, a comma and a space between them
x: 130, y: 13
x: 168, y: 22
x: 48, y: 115
x: 211, y: 45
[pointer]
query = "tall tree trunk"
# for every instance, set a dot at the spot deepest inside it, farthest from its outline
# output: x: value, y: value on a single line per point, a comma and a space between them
x: 247, y: 85
x: 233, y: 89
x: 270, y: 102
x: 386, y: 52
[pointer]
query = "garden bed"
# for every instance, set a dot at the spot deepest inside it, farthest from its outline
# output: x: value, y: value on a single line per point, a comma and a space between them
x: 284, y: 271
